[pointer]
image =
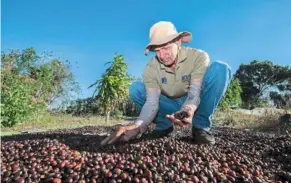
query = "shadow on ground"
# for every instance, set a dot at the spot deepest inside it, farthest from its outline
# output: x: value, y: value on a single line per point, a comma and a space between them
x: 81, y: 139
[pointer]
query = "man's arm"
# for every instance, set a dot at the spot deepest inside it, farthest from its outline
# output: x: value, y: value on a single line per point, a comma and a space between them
x: 153, y: 92
x: 149, y: 109
x: 148, y: 112
x: 193, y: 96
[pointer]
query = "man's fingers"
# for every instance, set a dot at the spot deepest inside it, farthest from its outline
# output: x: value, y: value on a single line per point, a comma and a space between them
x: 187, y: 121
x: 174, y: 120
x: 123, y: 134
x: 178, y: 122
x: 120, y: 131
x: 117, y: 135
x: 171, y: 117
x: 125, y: 137
x: 129, y: 134
x: 107, y: 139
x: 113, y: 137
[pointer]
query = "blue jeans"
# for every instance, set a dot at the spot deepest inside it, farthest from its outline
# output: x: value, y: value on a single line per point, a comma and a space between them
x: 215, y: 82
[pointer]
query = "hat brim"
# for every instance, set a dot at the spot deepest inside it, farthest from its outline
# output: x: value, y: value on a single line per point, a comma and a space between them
x: 186, y: 38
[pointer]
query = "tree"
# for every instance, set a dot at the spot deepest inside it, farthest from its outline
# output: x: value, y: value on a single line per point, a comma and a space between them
x: 112, y: 88
x: 30, y: 82
x: 54, y: 80
x: 259, y: 76
x: 232, y: 97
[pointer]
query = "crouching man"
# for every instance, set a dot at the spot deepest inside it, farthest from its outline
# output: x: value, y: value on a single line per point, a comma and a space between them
x: 177, y: 79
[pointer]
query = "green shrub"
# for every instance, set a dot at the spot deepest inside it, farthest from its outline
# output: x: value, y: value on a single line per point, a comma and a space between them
x: 16, y: 100
x: 117, y: 113
x: 232, y: 97
x: 30, y: 83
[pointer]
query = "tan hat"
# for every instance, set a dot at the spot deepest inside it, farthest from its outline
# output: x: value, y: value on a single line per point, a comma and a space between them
x: 163, y: 32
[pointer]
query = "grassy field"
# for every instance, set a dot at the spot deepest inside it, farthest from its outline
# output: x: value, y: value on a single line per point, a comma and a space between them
x: 262, y: 120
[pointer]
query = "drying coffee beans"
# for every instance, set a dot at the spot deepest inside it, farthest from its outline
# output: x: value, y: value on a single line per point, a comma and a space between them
x: 181, y: 115
x: 75, y: 155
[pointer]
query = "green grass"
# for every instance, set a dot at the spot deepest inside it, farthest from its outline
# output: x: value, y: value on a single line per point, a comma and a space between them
x: 52, y: 122
x: 235, y: 118
x: 9, y: 133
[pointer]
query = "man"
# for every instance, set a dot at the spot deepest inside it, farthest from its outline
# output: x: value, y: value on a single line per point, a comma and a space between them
x: 176, y: 79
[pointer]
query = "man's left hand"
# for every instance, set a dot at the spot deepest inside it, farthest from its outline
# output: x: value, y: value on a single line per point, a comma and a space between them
x: 185, y: 121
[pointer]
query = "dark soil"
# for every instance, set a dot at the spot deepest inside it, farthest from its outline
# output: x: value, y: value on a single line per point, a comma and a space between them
x: 76, y: 156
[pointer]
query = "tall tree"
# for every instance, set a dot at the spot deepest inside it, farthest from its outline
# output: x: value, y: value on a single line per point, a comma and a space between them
x: 54, y: 80
x: 259, y: 76
x: 112, y: 88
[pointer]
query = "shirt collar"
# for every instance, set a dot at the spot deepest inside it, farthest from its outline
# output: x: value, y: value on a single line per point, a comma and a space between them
x: 182, y: 55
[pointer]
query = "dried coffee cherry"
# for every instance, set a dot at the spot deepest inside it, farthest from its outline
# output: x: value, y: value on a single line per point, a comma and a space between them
x: 181, y: 115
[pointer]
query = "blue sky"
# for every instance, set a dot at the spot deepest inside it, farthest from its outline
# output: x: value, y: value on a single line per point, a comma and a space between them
x: 87, y: 33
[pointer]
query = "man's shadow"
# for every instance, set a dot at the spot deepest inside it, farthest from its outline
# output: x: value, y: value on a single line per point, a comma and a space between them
x: 79, y: 139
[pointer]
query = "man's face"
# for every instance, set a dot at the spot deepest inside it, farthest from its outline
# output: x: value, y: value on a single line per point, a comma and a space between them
x: 167, y: 54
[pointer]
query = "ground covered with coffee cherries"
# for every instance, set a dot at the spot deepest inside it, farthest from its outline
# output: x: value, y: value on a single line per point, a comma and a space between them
x: 76, y: 156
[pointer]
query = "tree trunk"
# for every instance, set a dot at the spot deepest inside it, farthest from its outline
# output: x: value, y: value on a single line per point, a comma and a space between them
x: 107, y: 117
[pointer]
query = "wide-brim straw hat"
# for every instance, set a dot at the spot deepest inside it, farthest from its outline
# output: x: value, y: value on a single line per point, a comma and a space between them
x: 163, y: 32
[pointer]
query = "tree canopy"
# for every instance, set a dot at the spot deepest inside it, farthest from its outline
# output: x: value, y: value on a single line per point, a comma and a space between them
x: 258, y: 77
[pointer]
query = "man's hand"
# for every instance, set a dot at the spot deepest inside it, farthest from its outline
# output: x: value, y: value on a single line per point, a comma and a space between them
x: 184, y: 116
x: 124, y: 133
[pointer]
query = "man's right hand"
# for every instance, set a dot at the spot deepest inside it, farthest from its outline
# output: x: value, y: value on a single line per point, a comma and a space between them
x: 124, y: 133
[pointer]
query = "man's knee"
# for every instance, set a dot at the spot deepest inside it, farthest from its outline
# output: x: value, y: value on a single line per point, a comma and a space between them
x: 221, y: 70
x: 222, y: 66
x: 136, y: 89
